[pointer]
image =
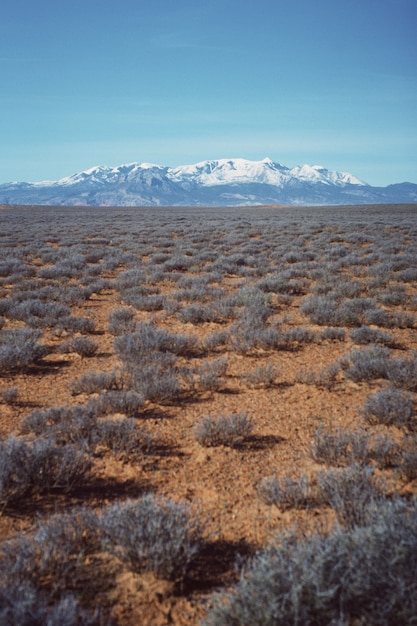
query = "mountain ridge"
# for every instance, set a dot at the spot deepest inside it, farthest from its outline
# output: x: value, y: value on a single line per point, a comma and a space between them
x: 216, y: 182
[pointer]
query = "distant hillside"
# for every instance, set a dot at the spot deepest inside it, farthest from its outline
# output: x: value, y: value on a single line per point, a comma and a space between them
x: 223, y: 182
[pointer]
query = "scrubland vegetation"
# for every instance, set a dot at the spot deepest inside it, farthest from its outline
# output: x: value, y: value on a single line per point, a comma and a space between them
x: 208, y: 416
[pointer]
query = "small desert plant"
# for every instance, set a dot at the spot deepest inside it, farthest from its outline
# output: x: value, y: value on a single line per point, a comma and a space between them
x: 366, y: 364
x: 123, y: 437
x: 243, y: 336
x: 74, y: 533
x: 403, y: 372
x: 20, y: 348
x: 124, y: 401
x: 226, y: 430
x: 210, y: 374
x: 264, y: 374
x: 15, y: 479
x: 36, y: 313
x: 153, y: 535
x: 329, y: 310
x: 297, y: 579
x: 299, y: 335
x: 393, y: 298
x: 281, y: 284
x: 390, y: 319
x: 365, y: 334
x: 352, y: 312
x: 76, y: 324
x: 66, y: 424
x: 407, y: 464
x: 134, y: 347
x: 155, y: 379
x: 121, y: 321
x: 10, y: 395
x: 149, y: 302
x: 352, y: 289
x: 285, y: 299
x: 333, y: 334
x: 256, y: 305
x: 216, y: 339
x: 134, y: 277
x: 379, y: 317
x: 38, y: 467
x: 321, y: 310
x: 25, y: 604
x: 197, y: 314
x: 402, y: 319
x: 63, y: 269
x: 53, y: 552
x: 84, y: 346
x: 75, y: 296
x: 178, y: 262
x: 5, y: 306
x: 325, y: 377
x: 385, y: 451
x: 389, y: 407
x: 57, y: 467
x: 349, y: 491
x: 8, y: 267
x: 95, y: 382
x: 286, y: 493
x: 408, y: 275
x: 340, y: 446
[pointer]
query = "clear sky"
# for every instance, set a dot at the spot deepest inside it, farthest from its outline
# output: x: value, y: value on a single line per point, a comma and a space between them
x: 173, y: 82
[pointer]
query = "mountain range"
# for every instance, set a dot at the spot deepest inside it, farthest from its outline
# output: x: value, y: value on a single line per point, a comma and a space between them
x: 222, y: 182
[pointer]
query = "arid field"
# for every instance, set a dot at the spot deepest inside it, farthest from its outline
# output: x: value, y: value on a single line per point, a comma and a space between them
x: 208, y: 416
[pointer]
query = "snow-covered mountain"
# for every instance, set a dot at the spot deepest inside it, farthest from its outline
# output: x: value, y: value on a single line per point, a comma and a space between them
x: 222, y: 182
x: 234, y: 171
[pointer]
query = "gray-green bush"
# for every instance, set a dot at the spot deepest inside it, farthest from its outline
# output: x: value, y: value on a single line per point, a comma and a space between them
x: 38, y: 467
x: 389, y: 407
x: 153, y: 535
x: 286, y: 492
x: 20, y: 348
x: 365, y: 575
x: 226, y: 430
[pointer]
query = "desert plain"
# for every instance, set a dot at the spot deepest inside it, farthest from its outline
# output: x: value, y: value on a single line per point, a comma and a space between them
x: 223, y: 359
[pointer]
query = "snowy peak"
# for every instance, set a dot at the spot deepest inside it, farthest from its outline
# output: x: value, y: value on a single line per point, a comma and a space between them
x: 208, y: 173
x: 216, y: 182
x: 319, y: 174
x: 93, y: 174
x: 237, y: 171
x: 230, y: 172
x: 102, y: 174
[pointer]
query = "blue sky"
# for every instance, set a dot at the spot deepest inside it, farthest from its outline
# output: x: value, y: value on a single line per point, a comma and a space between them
x: 88, y: 82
